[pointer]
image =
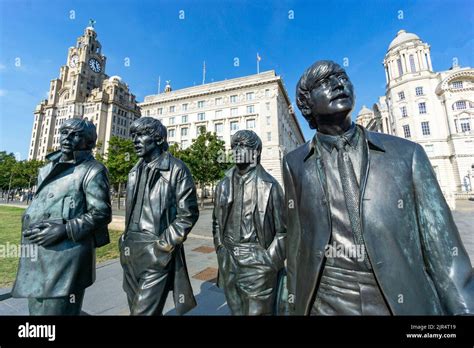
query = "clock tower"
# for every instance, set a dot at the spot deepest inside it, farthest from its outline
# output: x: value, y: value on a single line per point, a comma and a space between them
x: 85, y: 67
x: 83, y: 90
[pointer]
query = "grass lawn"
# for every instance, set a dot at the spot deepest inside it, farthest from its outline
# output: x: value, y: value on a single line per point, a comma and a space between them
x: 10, y: 234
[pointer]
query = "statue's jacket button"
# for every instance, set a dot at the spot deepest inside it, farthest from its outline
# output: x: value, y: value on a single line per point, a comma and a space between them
x: 50, y: 195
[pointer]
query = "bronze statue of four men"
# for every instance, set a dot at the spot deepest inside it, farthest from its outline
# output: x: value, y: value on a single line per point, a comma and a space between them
x: 361, y: 229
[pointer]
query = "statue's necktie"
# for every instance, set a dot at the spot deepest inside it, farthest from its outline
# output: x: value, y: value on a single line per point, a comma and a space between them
x: 351, y: 191
x: 141, y: 192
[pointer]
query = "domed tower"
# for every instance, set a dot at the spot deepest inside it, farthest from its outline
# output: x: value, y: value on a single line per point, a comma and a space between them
x: 407, y: 56
x: 411, y: 85
x: 414, y: 110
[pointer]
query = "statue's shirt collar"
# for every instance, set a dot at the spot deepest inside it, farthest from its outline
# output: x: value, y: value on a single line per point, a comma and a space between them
x: 329, y: 141
x: 78, y: 156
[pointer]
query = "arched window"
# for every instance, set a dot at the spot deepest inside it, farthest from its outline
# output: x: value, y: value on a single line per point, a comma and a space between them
x: 412, y: 63
x: 460, y: 105
x: 400, y: 68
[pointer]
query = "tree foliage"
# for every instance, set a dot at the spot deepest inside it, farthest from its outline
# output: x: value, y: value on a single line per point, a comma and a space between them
x: 206, y: 158
x: 17, y: 174
x: 120, y: 159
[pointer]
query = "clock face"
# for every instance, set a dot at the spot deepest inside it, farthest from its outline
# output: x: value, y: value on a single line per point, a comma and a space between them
x: 74, y: 60
x: 95, y: 65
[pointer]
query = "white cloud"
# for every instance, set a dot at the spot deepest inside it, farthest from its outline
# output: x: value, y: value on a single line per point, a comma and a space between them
x: 3, y: 92
x: 2, y: 67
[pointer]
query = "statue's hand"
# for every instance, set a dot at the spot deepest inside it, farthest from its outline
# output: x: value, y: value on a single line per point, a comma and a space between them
x: 46, y: 234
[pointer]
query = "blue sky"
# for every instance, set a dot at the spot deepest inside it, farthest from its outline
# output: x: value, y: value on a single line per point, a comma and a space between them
x: 159, y: 43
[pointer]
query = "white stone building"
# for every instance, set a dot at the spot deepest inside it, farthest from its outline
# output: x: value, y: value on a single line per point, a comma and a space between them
x: 434, y: 109
x: 257, y: 102
x: 83, y: 90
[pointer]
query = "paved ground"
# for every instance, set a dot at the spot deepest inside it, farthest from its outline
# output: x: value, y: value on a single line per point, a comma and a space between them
x: 106, y: 296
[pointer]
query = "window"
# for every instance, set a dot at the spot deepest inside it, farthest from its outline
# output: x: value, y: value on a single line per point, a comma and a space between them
x: 406, y: 131
x: 218, y: 113
x: 160, y: 111
x: 218, y: 101
x: 400, y: 68
x: 422, y: 108
x: 250, y: 123
x: 412, y: 63
x: 234, y: 125
x: 184, y: 144
x: 425, y: 128
x: 267, y: 93
x: 184, y: 131
x: 184, y: 107
x: 269, y: 120
x: 148, y: 112
x: 201, y: 116
x: 457, y: 84
x: 403, y: 111
x: 250, y: 109
x: 465, y: 125
x: 460, y: 105
x: 250, y: 95
x: 419, y: 91
x: 219, y: 127
x: 234, y: 112
x: 267, y: 106
x: 201, y: 104
x: 171, y: 133
x: 184, y: 118
x: 233, y: 98
x: 269, y: 136
x: 172, y: 108
x: 171, y: 120
x: 401, y: 95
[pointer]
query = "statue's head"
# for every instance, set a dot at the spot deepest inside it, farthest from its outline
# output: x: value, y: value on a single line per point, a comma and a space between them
x: 148, y: 135
x: 246, y: 147
x: 324, y: 93
x: 77, y: 135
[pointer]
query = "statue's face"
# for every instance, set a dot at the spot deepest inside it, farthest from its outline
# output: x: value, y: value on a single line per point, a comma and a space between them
x: 144, y: 144
x: 72, y: 140
x: 243, y: 154
x: 333, y: 95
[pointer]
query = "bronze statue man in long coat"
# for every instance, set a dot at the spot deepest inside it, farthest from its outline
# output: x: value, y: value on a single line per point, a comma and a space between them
x: 63, y: 225
x: 161, y: 209
x: 249, y: 230
x: 369, y: 231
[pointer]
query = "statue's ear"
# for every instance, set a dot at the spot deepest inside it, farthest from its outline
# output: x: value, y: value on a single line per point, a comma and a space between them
x: 304, y: 103
x: 306, y: 111
x: 159, y: 141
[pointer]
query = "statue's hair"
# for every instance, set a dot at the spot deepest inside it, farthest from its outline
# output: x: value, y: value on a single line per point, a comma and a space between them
x: 84, y: 125
x: 248, y: 138
x: 152, y: 127
x: 315, y: 73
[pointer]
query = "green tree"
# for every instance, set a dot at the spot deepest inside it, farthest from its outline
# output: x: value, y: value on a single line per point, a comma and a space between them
x: 7, y: 164
x: 206, y: 159
x: 119, y: 161
x: 17, y: 174
x: 30, y: 171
